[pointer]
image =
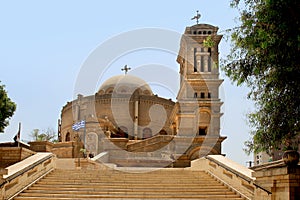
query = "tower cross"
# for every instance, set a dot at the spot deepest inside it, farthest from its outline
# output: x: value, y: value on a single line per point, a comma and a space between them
x: 126, y: 69
x: 197, y: 17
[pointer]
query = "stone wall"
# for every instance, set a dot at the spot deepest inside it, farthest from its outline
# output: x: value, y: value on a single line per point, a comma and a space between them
x: 67, y: 149
x: 12, y: 155
x: 41, y: 146
x: 61, y: 149
x: 282, y: 180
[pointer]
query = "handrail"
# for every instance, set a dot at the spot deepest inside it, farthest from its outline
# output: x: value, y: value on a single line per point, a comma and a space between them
x: 238, y: 174
x: 267, y: 191
x: 22, y: 171
x: 228, y: 168
x: 30, y: 184
x: 164, y: 138
x: 228, y: 185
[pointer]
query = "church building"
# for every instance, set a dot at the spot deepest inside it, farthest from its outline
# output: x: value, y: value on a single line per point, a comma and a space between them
x: 125, y: 120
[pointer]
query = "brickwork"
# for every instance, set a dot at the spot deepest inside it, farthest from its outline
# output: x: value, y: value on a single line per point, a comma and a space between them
x: 12, y: 155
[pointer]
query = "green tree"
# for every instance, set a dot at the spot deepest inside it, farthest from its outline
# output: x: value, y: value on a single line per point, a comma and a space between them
x: 265, y: 56
x: 45, y: 135
x: 7, y: 108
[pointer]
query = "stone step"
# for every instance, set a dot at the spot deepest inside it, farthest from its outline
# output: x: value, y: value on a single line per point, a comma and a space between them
x: 127, y: 198
x: 153, y: 176
x: 130, y: 191
x: 131, y: 196
x: 110, y: 184
x: 116, y: 180
x: 125, y: 185
x: 107, y: 188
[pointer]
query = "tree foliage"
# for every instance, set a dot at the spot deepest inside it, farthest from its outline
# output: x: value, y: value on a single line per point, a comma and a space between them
x: 265, y: 56
x: 7, y: 108
x: 45, y: 135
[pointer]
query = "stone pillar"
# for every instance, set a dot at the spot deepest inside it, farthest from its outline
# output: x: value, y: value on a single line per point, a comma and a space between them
x: 205, y: 63
x: 281, y: 180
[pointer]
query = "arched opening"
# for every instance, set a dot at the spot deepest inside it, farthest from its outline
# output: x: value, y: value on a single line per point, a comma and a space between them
x: 163, y: 132
x: 147, y: 133
x: 92, y: 144
x: 123, y: 132
x: 201, y: 151
x: 109, y: 90
x: 202, y: 130
x: 68, y: 137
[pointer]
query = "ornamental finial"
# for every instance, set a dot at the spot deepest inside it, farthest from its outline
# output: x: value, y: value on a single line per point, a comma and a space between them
x: 197, y: 17
x: 126, y: 69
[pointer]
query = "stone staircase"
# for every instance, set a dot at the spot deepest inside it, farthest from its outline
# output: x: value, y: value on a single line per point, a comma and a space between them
x: 173, y: 183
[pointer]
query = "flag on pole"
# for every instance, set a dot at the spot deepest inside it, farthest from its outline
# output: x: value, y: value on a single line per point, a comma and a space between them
x: 18, y: 135
x: 78, y: 125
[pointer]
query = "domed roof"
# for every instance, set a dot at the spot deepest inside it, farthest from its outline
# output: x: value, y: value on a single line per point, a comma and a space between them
x: 125, y: 84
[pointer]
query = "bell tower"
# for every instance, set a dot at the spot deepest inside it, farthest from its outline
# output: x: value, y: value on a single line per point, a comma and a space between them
x: 198, y: 97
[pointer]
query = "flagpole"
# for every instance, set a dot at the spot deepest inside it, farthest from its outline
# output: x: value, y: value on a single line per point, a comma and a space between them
x: 19, y: 135
x: 84, y: 131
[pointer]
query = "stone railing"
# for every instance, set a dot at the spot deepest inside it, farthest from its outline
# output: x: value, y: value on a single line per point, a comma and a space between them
x: 235, y: 176
x: 17, y: 177
x: 150, y: 144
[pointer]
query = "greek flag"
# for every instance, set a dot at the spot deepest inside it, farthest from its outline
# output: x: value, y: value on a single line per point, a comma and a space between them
x: 78, y: 125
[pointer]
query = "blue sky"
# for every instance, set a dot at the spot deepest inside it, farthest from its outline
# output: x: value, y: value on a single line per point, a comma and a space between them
x: 43, y: 45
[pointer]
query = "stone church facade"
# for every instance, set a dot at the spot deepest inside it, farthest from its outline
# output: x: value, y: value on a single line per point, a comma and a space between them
x: 124, y: 116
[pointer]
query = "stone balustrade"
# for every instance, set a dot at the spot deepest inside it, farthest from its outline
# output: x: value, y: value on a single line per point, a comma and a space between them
x: 235, y: 176
x: 17, y: 177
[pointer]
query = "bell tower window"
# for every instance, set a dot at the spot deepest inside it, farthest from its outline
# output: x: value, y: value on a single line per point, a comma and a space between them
x: 202, y: 130
x: 202, y: 95
x: 209, y: 95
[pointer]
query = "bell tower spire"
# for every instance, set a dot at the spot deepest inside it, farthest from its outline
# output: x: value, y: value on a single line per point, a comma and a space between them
x: 199, y: 70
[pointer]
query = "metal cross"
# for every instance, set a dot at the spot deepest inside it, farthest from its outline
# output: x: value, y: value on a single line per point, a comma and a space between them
x: 197, y: 17
x: 126, y: 69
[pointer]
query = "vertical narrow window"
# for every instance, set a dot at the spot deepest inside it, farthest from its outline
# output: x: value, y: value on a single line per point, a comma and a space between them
x: 68, y: 137
x: 209, y: 95
x: 202, y: 130
x: 195, y: 95
x: 202, y: 64
x: 202, y: 95
x: 195, y: 60
x: 209, y: 64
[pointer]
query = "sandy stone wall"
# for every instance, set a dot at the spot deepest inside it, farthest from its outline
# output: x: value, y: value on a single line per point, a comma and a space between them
x: 12, y: 155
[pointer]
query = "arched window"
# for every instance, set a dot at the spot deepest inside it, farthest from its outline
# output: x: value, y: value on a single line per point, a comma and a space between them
x: 68, y: 137
x: 147, y: 133
x: 163, y: 132
x: 202, y: 130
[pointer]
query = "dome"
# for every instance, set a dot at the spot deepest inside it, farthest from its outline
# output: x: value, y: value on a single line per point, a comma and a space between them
x: 125, y: 84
